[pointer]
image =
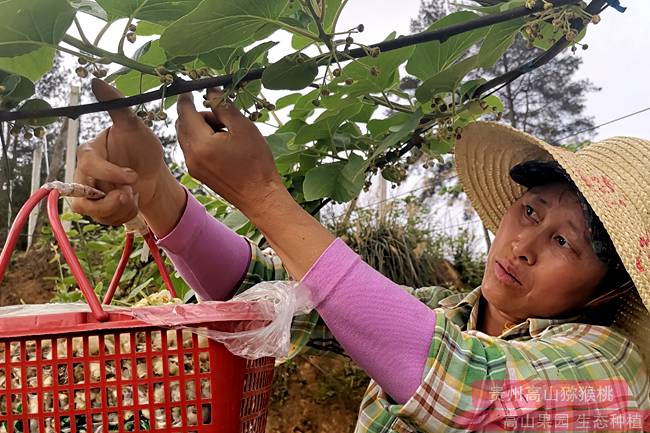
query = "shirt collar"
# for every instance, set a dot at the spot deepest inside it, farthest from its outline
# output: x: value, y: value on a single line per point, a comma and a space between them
x: 466, y: 305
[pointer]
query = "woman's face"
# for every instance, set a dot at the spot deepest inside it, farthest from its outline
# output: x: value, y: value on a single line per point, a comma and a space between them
x: 541, y: 263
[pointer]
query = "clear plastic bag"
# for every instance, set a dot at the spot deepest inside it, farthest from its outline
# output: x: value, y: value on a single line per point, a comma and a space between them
x: 253, y: 324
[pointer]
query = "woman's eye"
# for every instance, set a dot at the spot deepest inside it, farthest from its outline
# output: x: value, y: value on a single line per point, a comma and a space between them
x: 562, y: 241
x: 529, y: 211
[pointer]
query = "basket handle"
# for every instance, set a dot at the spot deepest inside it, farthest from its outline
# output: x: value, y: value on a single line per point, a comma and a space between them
x: 53, y: 191
x: 126, y: 253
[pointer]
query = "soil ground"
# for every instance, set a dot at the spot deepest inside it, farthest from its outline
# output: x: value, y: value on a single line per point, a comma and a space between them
x: 25, y: 281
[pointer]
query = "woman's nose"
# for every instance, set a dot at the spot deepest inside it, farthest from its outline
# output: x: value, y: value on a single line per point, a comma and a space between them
x: 524, y: 247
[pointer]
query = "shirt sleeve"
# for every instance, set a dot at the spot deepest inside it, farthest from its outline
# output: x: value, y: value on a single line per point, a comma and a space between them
x: 382, y: 327
x: 208, y: 255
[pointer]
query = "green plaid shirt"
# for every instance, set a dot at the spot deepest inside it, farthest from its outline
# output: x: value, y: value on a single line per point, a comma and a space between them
x: 564, y: 351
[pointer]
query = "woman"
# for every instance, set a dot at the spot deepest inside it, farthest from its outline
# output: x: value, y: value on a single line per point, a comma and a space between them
x: 558, y: 306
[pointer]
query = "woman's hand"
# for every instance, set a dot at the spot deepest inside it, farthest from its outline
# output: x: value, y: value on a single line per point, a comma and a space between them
x: 235, y: 162
x: 126, y: 161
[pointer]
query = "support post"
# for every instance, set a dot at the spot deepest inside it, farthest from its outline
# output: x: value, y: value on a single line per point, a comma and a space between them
x: 382, y: 197
x: 71, y: 148
x: 37, y: 158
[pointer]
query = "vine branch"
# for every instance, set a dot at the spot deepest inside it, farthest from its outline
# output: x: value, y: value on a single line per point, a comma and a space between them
x: 117, y: 58
x: 322, y: 34
x: 181, y: 86
x: 81, y: 32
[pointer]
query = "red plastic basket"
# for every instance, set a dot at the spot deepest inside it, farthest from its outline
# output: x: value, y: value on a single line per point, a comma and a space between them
x: 103, y: 371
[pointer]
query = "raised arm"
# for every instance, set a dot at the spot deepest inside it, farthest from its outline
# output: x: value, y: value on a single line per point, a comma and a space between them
x: 374, y: 320
x: 126, y: 161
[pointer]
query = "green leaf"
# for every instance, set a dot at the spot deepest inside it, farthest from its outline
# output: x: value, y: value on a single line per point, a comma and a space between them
x: 284, y: 155
x: 378, y: 127
x: 222, y: 23
x: 404, y: 131
x: 25, y: 26
x: 137, y: 55
x: 189, y: 182
x: 244, y: 98
x: 9, y: 82
x: 18, y: 89
x: 468, y: 88
x: 221, y: 58
x: 388, y: 65
x: 326, y: 124
x: 495, y: 102
x: 71, y: 216
x: 279, y: 143
x: 91, y: 8
x: 33, y: 105
x: 550, y: 34
x: 497, y: 41
x: 292, y: 72
x: 146, y: 28
x: 437, y: 146
x: 446, y: 80
x: 236, y: 220
x: 292, y: 125
x: 342, y: 181
x: 135, y: 82
x: 430, y: 58
x: 138, y: 290
x: 499, y: 7
x: 287, y: 100
x: 256, y: 54
x: 156, y: 11
x: 364, y: 115
x: 32, y: 65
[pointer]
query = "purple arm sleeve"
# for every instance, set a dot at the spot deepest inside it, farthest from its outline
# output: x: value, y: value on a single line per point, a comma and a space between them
x: 384, y: 329
x: 209, y: 256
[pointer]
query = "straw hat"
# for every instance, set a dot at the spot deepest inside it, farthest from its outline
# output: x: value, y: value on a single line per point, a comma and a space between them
x: 613, y: 176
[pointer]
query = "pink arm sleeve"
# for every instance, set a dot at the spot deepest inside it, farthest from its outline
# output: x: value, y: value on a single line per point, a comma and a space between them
x: 384, y: 329
x: 209, y: 256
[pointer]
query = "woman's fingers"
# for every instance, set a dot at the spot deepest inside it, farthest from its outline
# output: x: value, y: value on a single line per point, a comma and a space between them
x: 226, y: 112
x: 91, y: 163
x: 191, y: 126
x: 117, y: 207
x: 105, y: 92
x: 211, y: 120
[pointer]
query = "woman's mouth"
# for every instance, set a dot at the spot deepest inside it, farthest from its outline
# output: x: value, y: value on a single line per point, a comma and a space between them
x: 504, y: 276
